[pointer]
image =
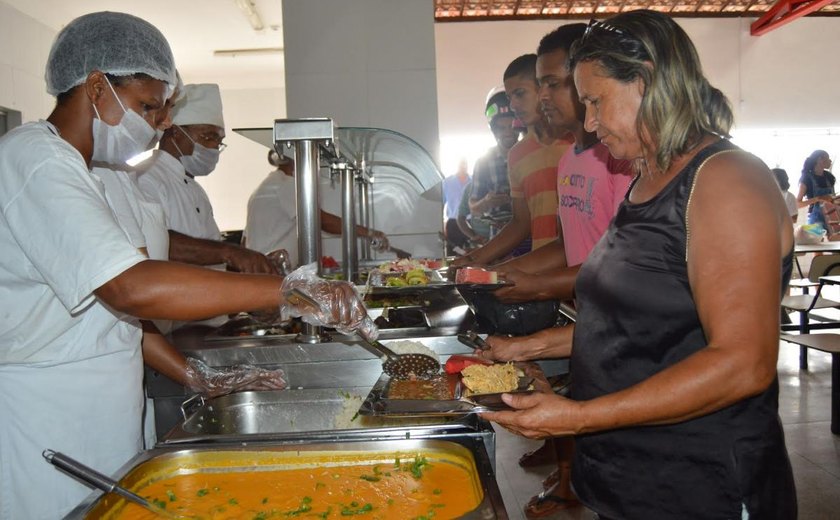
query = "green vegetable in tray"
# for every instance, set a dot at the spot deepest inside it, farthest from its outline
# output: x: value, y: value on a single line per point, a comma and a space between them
x: 396, y: 281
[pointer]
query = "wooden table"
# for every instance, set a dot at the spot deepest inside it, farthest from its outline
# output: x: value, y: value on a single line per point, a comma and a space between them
x: 827, y: 343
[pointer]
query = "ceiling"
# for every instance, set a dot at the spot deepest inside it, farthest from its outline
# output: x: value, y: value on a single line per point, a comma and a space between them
x: 194, y: 28
x: 481, y: 10
x: 197, y: 28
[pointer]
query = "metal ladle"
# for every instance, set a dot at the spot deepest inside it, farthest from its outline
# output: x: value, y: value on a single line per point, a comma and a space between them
x: 93, y: 478
x: 404, y: 366
x: 397, y: 366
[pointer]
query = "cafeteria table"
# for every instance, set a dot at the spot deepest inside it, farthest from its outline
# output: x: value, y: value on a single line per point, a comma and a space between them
x: 827, y: 343
x: 821, y: 247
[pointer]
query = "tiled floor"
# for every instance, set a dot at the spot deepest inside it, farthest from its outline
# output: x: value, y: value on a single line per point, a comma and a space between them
x: 804, y: 406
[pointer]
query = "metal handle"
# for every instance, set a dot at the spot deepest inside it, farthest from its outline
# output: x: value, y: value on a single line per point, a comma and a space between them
x: 298, y: 297
x: 386, y: 353
x: 187, y: 405
x: 80, y: 471
x: 473, y: 340
x: 568, y: 311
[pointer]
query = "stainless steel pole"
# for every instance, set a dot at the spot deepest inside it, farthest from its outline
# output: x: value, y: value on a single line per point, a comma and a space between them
x: 364, y: 215
x: 349, y: 248
x: 308, y: 217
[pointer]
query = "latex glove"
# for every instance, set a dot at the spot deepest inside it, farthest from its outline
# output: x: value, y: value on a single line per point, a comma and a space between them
x: 338, y: 304
x: 212, y: 382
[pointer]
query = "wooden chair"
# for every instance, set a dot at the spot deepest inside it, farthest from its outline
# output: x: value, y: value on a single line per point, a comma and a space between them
x: 821, y: 265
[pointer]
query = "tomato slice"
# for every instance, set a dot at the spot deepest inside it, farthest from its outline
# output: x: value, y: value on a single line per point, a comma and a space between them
x: 456, y: 363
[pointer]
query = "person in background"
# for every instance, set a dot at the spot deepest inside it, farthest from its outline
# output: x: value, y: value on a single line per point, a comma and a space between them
x: 453, y: 190
x: 790, y: 199
x: 271, y: 223
x: 490, y: 195
x: 590, y: 185
x: 189, y: 148
x: 532, y: 171
x: 471, y: 224
x: 816, y: 188
x: 70, y: 276
x: 674, y: 399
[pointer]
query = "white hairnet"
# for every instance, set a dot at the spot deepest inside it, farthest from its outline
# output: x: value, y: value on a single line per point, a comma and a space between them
x: 113, y: 43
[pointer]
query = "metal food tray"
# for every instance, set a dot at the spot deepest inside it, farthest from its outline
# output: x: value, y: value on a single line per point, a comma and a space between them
x: 253, y: 458
x: 378, y: 403
x: 436, y: 281
x: 295, y: 415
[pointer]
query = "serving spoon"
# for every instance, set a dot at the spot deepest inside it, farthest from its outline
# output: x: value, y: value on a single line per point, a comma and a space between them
x: 93, y: 478
x: 397, y: 366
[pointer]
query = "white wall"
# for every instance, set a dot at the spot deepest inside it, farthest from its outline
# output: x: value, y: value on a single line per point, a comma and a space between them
x: 368, y: 63
x: 784, y: 79
x: 24, y: 46
x: 243, y: 165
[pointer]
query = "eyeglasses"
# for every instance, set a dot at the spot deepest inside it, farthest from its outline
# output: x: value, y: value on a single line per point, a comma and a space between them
x: 213, y: 140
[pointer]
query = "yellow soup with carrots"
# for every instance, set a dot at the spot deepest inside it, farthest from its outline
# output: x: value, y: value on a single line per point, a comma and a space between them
x: 412, y: 487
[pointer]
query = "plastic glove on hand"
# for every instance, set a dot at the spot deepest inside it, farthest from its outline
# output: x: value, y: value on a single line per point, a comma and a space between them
x: 212, y: 382
x: 329, y: 303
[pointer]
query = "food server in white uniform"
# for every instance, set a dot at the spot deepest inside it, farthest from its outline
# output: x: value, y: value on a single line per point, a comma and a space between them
x: 189, y: 148
x: 70, y: 367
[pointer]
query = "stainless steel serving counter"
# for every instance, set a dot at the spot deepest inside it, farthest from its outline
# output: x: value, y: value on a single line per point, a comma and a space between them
x: 341, y: 363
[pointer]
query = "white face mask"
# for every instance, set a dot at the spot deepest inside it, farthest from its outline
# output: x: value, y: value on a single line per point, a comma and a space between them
x: 203, y: 159
x: 117, y: 144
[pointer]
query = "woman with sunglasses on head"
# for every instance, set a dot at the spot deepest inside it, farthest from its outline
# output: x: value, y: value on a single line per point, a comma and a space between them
x: 674, y: 399
x: 72, y: 279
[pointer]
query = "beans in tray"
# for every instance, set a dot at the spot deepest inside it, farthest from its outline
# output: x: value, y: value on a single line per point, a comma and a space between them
x: 436, y: 388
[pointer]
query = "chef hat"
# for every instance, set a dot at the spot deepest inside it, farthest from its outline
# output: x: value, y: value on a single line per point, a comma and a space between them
x: 113, y: 43
x: 498, y: 105
x: 200, y: 104
x: 179, y: 89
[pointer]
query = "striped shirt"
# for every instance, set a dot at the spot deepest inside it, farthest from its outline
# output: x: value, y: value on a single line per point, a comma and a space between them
x: 532, y: 168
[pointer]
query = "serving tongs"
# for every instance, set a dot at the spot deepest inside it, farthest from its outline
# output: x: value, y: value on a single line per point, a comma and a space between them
x: 473, y: 340
x: 397, y: 366
x: 93, y: 478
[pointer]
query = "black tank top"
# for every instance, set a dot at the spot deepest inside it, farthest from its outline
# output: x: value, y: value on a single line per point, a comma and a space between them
x: 636, y: 317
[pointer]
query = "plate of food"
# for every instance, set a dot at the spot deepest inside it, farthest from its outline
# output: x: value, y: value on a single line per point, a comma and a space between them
x: 477, y: 388
x: 405, y: 275
x: 479, y: 279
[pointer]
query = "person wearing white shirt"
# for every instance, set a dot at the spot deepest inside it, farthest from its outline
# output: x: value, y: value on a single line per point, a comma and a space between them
x: 72, y: 277
x: 189, y: 148
x: 790, y: 199
x: 271, y: 224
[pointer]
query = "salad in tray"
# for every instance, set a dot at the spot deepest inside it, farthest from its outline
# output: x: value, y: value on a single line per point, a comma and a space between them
x: 406, y: 272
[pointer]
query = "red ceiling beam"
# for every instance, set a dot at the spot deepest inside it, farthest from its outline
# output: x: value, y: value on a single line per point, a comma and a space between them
x: 785, y: 11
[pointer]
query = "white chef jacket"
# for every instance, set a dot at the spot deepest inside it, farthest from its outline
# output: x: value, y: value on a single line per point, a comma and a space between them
x: 272, y: 216
x: 184, y: 201
x: 70, y: 369
x: 145, y: 223
x: 272, y: 213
